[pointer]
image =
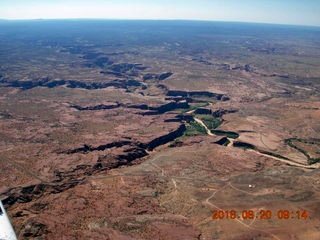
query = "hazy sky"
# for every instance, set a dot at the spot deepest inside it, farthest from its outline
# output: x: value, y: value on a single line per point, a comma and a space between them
x: 300, y: 12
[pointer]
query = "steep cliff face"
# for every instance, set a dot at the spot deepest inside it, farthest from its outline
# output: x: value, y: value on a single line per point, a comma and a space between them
x: 166, y: 138
x: 88, y: 148
x: 153, y: 110
x: 172, y: 106
x: 243, y: 145
x: 203, y: 111
x: 164, y: 76
x: 175, y: 93
x: 29, y: 193
x: 132, y: 154
x: 136, y: 149
x: 220, y: 112
x: 167, y: 108
x: 46, y: 82
x: 181, y: 118
x: 223, y: 141
x: 96, y: 107
x: 159, y: 77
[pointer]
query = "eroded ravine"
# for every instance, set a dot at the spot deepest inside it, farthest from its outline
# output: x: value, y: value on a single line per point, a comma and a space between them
x: 255, y: 150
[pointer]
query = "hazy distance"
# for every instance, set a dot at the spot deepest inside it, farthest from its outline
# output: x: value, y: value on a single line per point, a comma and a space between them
x: 294, y: 12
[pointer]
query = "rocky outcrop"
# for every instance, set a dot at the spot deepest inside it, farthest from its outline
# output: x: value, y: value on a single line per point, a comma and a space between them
x: 181, y: 118
x: 171, y: 106
x: 141, y: 106
x: 186, y: 118
x: 5, y: 115
x: 220, y: 112
x: 158, y: 77
x: 223, y: 141
x: 29, y: 193
x: 148, y: 76
x: 203, y: 111
x: 246, y: 67
x: 125, y: 67
x: 201, y: 60
x: 34, y: 230
x: 153, y: 110
x: 96, y: 107
x: 228, y: 134
x: 164, y: 76
x: 122, y: 70
x: 110, y: 161
x: 133, y: 154
x: 243, y: 145
x: 172, y: 120
x: 87, y: 148
x: 167, y: 108
x: 136, y: 150
x: 102, y: 62
x: 45, y: 82
x: 178, y: 99
x: 162, y: 87
x: 217, y: 96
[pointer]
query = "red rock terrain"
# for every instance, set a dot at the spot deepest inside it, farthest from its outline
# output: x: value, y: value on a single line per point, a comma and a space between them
x: 143, y: 140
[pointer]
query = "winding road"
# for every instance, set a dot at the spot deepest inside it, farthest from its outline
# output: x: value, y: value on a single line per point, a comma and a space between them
x: 203, y: 125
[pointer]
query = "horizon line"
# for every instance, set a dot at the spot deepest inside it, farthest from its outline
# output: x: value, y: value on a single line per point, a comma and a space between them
x: 151, y: 19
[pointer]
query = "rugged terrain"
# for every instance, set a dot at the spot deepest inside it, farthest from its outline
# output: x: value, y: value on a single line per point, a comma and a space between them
x: 139, y: 130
